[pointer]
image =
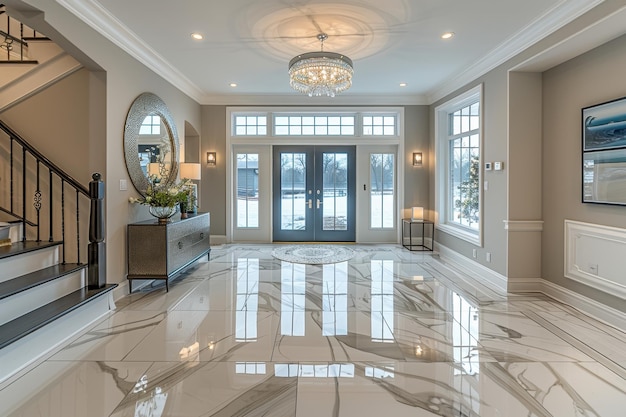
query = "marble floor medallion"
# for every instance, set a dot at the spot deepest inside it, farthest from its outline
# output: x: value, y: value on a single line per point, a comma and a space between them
x: 313, y: 254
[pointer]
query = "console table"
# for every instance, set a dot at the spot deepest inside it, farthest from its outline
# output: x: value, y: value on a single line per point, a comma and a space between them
x: 160, y: 251
x: 427, y: 229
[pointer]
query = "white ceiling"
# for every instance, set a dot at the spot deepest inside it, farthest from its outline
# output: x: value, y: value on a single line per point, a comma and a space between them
x: 250, y: 42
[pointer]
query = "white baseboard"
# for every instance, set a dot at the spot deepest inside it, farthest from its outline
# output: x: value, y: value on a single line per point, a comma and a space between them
x: 578, y: 301
x: 473, y: 268
x: 218, y: 240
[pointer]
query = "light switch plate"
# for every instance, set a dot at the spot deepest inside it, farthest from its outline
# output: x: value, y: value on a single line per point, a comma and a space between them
x: 123, y: 185
x: 487, y: 166
x: 497, y: 166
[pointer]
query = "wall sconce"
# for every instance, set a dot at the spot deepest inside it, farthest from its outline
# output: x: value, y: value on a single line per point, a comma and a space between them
x: 417, y: 159
x: 211, y: 158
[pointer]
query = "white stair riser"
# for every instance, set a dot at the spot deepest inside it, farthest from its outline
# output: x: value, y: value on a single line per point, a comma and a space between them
x: 15, y: 232
x: 26, y: 301
x: 26, y: 263
x: 38, y: 345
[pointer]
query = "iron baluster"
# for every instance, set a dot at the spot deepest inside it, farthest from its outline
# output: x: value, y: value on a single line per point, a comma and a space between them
x: 11, y: 156
x: 63, y: 217
x: 23, y: 194
x: 51, y: 211
x: 77, y: 230
x: 37, y: 205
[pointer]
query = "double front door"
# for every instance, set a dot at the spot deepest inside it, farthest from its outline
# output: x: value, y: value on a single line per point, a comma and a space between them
x: 314, y: 193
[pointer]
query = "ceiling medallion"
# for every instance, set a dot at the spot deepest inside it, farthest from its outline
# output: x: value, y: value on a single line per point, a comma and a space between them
x: 320, y: 73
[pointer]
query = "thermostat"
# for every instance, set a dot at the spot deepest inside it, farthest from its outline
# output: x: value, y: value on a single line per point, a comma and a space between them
x: 497, y: 166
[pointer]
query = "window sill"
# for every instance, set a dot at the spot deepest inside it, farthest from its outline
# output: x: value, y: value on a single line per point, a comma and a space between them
x: 472, y: 237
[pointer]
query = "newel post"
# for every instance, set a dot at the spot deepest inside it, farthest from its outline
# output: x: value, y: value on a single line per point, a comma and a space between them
x: 97, y: 253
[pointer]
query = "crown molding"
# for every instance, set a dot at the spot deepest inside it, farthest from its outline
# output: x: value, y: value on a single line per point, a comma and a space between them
x: 98, y: 18
x: 297, y: 99
x: 552, y: 20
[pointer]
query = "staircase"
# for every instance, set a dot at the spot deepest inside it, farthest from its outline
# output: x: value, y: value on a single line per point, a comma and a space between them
x: 49, y: 289
x: 29, y: 61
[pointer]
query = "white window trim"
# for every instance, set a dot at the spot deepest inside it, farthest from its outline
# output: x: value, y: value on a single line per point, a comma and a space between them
x: 441, y: 170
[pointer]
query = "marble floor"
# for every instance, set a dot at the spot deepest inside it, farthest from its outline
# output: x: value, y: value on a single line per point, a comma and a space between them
x: 389, y: 332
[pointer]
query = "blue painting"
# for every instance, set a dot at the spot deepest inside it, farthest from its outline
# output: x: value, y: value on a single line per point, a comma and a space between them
x: 604, y: 126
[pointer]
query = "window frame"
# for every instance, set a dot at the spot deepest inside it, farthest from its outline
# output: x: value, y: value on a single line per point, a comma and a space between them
x: 442, y: 146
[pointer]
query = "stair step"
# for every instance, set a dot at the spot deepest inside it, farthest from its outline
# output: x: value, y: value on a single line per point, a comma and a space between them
x: 18, y: 248
x: 36, y: 319
x: 28, y: 281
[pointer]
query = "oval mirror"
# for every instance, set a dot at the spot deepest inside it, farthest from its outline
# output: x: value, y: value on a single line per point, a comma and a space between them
x: 150, y: 142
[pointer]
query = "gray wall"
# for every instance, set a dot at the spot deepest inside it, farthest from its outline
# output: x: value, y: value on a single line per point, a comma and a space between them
x: 56, y: 122
x: 416, y: 139
x: 589, y: 79
x: 213, y: 184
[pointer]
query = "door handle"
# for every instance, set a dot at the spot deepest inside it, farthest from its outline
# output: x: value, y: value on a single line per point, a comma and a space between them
x: 310, y: 203
x: 319, y: 203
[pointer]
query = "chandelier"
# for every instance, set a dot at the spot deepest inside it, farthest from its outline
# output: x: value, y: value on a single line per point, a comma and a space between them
x: 320, y: 73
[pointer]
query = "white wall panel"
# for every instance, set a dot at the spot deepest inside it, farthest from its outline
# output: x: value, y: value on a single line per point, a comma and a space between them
x: 596, y: 256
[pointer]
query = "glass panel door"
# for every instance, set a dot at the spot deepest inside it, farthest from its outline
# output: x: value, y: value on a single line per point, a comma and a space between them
x: 314, y: 193
x: 335, y: 176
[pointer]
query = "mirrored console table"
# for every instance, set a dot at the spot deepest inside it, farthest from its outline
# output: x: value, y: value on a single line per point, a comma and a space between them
x: 160, y: 251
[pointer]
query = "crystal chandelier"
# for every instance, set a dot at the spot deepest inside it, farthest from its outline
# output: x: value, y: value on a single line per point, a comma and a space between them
x: 320, y: 73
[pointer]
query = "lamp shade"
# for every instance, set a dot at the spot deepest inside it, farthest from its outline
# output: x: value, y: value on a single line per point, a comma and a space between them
x: 190, y: 170
x: 417, y: 213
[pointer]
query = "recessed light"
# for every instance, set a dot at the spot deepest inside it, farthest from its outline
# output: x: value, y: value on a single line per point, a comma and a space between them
x: 447, y: 35
x: 197, y: 36
x: 403, y: 84
x: 233, y: 84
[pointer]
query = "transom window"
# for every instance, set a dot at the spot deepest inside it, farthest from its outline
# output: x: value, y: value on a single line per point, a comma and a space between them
x: 310, y: 123
x: 314, y: 125
x: 379, y: 125
x: 250, y: 125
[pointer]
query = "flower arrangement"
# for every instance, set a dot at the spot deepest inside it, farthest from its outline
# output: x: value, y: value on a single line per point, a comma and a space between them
x: 164, y: 195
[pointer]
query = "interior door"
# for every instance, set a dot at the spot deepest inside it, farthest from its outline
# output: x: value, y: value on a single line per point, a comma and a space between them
x: 314, y: 193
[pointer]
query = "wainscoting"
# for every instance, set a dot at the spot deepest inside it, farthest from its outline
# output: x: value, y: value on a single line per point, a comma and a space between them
x: 594, y: 256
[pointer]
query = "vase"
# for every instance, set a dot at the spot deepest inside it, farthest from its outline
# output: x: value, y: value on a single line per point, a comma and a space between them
x: 163, y: 213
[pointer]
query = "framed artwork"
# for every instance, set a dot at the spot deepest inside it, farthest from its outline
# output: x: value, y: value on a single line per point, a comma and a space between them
x: 604, y: 153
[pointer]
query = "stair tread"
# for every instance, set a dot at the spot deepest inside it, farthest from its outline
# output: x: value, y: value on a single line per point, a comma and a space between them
x: 18, y: 248
x: 28, y: 281
x: 24, y: 325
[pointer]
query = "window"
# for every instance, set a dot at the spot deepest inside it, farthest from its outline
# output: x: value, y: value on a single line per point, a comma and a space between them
x: 151, y: 125
x: 313, y: 125
x: 379, y: 125
x: 250, y: 125
x: 458, y: 177
x: 371, y: 123
x: 247, y: 190
x: 382, y: 190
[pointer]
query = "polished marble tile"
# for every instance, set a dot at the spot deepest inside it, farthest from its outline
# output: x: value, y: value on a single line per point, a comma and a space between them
x: 390, y: 332
x: 112, y: 339
x: 71, y: 389
x: 513, y: 337
x: 225, y: 335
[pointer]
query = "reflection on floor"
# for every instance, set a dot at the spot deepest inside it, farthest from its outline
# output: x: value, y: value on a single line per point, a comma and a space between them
x: 390, y: 332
